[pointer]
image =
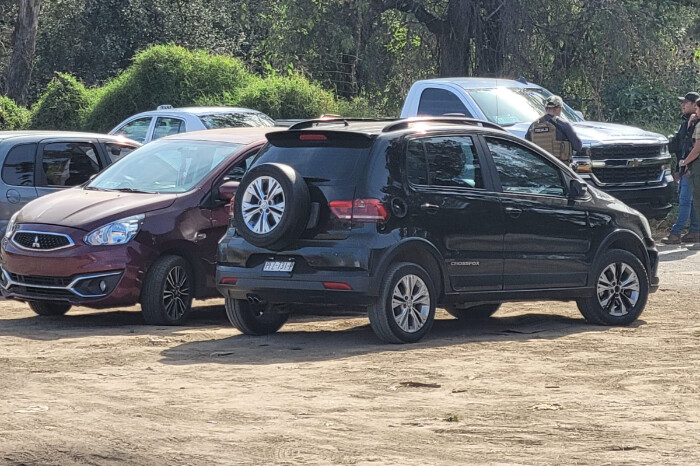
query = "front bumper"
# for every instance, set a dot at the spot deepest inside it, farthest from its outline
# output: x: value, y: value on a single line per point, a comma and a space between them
x: 97, y: 277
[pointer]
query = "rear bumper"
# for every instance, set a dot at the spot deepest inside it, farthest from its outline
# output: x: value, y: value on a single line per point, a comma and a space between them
x: 306, y: 288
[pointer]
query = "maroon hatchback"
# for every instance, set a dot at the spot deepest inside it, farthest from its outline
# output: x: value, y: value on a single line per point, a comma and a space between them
x: 144, y: 230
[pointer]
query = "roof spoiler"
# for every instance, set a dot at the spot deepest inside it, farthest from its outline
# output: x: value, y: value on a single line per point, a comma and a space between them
x: 335, y: 120
x: 403, y: 124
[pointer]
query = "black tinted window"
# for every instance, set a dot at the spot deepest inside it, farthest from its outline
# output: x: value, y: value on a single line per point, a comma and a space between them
x: 69, y: 163
x: 18, y: 169
x: 332, y: 163
x: 444, y: 161
x: 524, y: 171
x: 438, y: 102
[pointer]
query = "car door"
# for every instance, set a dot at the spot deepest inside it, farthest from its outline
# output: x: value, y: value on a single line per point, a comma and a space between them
x: 17, y: 187
x: 547, y: 237
x: 64, y: 163
x: 218, y: 211
x: 455, y: 205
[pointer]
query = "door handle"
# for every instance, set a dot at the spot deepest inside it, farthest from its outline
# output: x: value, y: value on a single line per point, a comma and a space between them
x: 430, y: 208
x: 514, y: 212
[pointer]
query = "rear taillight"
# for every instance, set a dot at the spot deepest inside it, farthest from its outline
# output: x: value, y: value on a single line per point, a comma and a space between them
x: 360, y: 210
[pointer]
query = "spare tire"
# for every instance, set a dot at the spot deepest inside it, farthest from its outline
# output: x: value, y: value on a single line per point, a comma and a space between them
x: 272, y: 206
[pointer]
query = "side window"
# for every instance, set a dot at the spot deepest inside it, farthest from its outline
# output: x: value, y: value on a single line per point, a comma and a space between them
x: 136, y: 130
x: 165, y: 126
x: 237, y: 171
x: 117, y: 151
x: 439, y: 102
x: 69, y: 163
x: 523, y: 171
x: 18, y: 169
x: 448, y: 161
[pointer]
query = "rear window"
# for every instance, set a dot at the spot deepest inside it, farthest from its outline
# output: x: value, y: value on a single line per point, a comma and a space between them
x: 323, y: 161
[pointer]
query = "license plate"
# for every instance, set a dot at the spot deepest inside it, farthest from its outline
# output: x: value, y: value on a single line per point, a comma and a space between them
x: 278, y: 266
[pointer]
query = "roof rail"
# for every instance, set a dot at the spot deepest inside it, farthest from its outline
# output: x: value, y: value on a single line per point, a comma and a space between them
x: 405, y: 123
x: 335, y: 119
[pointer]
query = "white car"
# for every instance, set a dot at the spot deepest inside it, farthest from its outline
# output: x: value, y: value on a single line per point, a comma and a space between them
x: 166, y: 120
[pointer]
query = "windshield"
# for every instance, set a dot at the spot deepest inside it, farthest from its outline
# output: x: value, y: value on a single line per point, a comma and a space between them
x: 233, y: 120
x: 508, y: 106
x: 164, y: 166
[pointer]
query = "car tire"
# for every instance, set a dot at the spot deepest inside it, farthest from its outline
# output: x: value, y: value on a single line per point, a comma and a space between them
x: 168, y: 289
x: 621, y: 290
x: 472, y: 313
x: 255, y: 319
x: 43, y: 308
x: 257, y: 214
x: 400, y: 321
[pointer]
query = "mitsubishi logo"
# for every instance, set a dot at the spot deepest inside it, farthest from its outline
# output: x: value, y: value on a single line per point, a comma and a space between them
x: 36, y: 243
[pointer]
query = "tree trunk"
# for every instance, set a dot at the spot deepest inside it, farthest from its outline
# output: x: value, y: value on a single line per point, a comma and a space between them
x: 19, y: 72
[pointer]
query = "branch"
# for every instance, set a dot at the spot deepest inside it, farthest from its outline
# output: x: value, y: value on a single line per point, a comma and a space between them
x: 434, y: 24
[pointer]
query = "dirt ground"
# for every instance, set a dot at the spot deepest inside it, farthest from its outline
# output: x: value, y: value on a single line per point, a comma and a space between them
x: 535, y: 385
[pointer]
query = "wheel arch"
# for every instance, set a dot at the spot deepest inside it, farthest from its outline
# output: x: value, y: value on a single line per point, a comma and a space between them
x: 193, y: 258
x: 418, y: 251
x: 627, y: 241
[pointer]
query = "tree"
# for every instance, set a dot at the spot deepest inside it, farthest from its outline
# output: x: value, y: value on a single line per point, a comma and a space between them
x: 19, y: 73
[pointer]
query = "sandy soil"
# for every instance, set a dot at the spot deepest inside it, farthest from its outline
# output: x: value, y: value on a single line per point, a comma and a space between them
x: 534, y: 385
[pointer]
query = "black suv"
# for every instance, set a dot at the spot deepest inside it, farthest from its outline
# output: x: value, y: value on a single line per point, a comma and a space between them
x: 405, y: 216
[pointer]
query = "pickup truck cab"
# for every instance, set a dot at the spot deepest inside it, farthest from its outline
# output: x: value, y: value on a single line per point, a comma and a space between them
x: 627, y: 162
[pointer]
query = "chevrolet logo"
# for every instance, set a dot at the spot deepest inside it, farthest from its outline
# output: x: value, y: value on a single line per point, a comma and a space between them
x: 634, y: 162
x: 36, y: 243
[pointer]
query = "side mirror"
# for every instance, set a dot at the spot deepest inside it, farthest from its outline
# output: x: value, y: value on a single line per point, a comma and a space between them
x: 577, y: 189
x: 228, y: 190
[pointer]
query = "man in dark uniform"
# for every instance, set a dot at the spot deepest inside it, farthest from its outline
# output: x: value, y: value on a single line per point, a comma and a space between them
x: 682, y: 144
x: 554, y: 134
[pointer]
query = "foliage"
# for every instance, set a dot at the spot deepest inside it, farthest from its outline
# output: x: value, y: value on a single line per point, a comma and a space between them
x: 287, y: 97
x: 12, y: 116
x: 166, y: 74
x: 64, y: 105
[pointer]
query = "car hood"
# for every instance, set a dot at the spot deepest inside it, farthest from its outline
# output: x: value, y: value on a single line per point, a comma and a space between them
x: 87, y: 210
x: 593, y: 133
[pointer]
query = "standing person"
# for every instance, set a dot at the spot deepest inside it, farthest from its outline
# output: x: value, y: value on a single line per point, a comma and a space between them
x: 693, y: 167
x: 554, y: 134
x: 683, y: 144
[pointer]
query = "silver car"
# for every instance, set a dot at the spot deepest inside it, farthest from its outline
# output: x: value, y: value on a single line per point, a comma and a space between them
x: 34, y: 163
x: 166, y: 120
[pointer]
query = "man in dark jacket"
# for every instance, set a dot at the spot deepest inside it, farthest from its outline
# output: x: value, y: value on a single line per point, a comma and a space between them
x: 681, y: 147
x: 553, y: 133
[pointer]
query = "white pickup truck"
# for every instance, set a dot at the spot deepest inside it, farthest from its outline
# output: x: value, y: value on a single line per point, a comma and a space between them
x: 629, y: 163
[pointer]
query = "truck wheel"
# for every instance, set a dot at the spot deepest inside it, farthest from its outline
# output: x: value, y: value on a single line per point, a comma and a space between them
x: 166, y: 297
x: 255, y: 319
x: 472, y: 312
x: 405, y: 308
x: 272, y: 206
x: 48, y: 308
x: 622, y: 289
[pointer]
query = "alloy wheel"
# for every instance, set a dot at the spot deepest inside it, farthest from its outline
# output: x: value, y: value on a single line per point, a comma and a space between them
x: 410, y: 303
x: 176, y: 293
x: 263, y: 205
x: 618, y: 289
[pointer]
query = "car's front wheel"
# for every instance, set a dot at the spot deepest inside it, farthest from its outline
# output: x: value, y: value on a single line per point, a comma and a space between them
x: 622, y: 289
x: 471, y: 312
x: 405, y: 308
x: 44, y: 308
x: 255, y: 318
x: 166, y: 297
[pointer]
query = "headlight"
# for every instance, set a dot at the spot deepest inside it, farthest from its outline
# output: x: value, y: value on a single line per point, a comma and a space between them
x: 11, y: 226
x: 118, y: 232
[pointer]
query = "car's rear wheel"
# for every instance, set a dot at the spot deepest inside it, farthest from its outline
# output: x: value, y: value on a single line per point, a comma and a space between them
x: 472, y: 312
x: 44, y: 308
x: 405, y: 308
x: 166, y: 297
x: 622, y: 289
x: 255, y: 318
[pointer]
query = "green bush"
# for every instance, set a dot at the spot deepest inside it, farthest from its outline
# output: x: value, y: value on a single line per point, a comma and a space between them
x: 12, y: 116
x: 359, y: 107
x: 166, y: 74
x: 64, y: 105
x: 287, y: 97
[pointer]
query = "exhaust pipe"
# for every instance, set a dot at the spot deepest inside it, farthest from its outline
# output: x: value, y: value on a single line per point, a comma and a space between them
x: 254, y: 299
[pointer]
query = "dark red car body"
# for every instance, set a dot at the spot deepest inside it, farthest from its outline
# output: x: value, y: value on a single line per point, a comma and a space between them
x: 188, y: 225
